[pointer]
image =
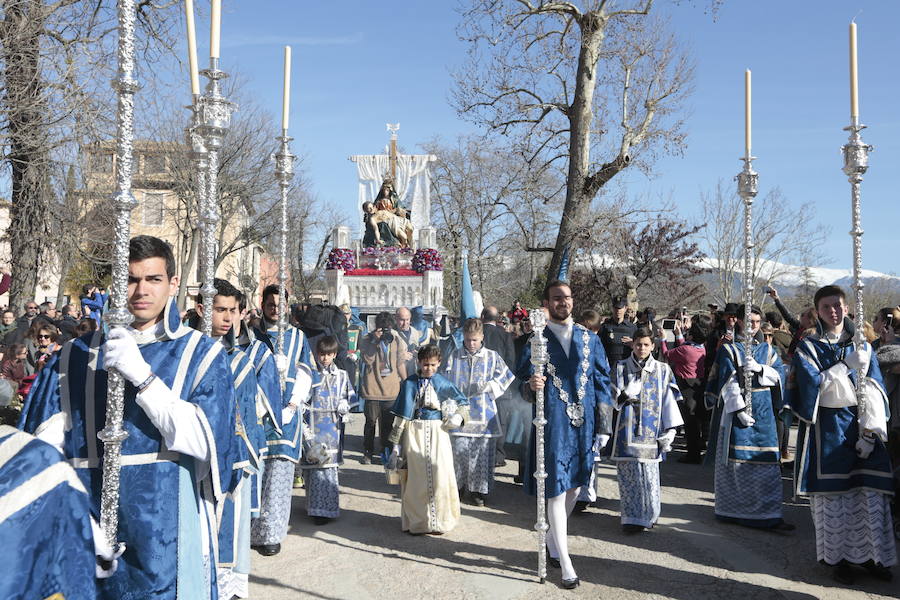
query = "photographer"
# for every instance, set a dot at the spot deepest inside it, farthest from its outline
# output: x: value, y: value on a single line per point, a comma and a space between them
x: 384, y: 354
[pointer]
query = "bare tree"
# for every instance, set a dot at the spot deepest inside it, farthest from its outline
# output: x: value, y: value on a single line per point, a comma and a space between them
x: 55, y: 65
x: 782, y: 235
x: 588, y: 90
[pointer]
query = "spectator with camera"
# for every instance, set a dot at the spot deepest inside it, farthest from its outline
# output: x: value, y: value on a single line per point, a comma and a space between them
x: 384, y: 354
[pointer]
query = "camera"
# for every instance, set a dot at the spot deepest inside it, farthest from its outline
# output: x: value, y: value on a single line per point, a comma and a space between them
x: 386, y: 335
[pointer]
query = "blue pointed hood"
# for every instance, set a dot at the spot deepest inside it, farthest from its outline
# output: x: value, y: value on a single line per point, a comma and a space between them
x: 466, y: 295
x: 563, y: 274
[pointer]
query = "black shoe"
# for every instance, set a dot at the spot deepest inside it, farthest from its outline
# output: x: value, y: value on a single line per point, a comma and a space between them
x: 689, y: 459
x: 843, y: 573
x: 366, y: 459
x: 878, y: 571
x: 517, y: 479
x: 633, y: 528
x: 269, y: 549
x: 553, y: 562
x: 477, y: 499
x: 500, y: 462
x: 320, y: 520
x: 570, y: 584
x: 580, y: 506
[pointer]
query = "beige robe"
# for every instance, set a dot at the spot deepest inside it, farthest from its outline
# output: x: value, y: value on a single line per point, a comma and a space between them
x: 429, y: 497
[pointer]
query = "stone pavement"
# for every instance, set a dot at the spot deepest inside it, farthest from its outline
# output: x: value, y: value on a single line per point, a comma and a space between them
x: 492, y: 552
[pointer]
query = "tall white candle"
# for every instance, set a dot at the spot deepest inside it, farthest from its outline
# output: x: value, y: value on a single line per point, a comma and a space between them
x: 854, y: 84
x: 192, y: 47
x: 747, y: 112
x: 286, y: 92
x: 215, y: 28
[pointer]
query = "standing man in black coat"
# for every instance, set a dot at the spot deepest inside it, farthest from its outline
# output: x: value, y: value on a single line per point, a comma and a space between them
x: 616, y: 333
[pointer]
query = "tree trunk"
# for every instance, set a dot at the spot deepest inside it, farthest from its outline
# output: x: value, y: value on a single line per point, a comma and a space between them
x: 29, y: 226
x: 580, y: 119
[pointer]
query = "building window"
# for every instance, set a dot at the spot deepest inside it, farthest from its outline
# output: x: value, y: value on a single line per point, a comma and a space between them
x: 154, y: 205
x: 154, y: 164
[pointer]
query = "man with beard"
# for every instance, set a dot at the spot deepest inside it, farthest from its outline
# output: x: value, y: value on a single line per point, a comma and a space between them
x: 578, y: 412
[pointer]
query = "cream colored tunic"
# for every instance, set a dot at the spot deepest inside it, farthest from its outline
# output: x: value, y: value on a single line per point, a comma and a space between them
x: 429, y: 497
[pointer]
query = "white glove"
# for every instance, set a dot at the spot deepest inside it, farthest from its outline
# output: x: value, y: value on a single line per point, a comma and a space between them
x: 121, y: 352
x: 753, y: 366
x: 287, y: 414
x: 744, y: 419
x: 281, y: 363
x: 858, y: 359
x: 352, y: 356
x: 665, y: 441
x: 343, y: 407
x: 456, y: 420
x: 600, y: 441
x: 104, y: 552
x: 864, y: 447
x: 394, y: 458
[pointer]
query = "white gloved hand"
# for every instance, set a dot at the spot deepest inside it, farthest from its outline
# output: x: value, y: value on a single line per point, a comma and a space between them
x: 394, y: 458
x: 600, y: 441
x: 121, y: 352
x: 287, y: 414
x: 858, y: 359
x: 281, y: 363
x: 864, y: 447
x: 107, y: 558
x: 665, y: 441
x: 456, y: 420
x: 744, y: 419
x: 343, y: 407
x: 753, y: 366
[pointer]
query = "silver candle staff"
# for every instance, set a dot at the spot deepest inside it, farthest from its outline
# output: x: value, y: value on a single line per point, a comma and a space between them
x: 856, y: 163
x: 748, y: 181
x: 284, y: 172
x: 113, y: 434
x: 539, y: 358
x: 214, y: 120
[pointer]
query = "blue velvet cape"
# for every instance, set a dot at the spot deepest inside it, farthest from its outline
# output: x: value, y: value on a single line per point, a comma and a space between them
x: 406, y: 405
x: 163, y: 494
x: 759, y: 442
x: 45, y: 527
x: 286, y: 444
x: 568, y: 455
x: 826, y: 461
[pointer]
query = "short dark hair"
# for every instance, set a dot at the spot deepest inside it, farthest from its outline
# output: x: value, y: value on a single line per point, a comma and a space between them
x: 829, y: 290
x: 774, y: 319
x: 272, y: 290
x: 67, y: 309
x: 223, y: 288
x: 242, y: 302
x: 700, y: 326
x: 327, y: 344
x: 590, y: 319
x: 555, y: 283
x: 384, y: 320
x: 642, y: 332
x: 428, y: 351
x: 142, y: 247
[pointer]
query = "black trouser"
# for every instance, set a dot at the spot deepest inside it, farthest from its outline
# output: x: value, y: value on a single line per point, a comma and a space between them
x: 377, y: 411
x: 693, y: 411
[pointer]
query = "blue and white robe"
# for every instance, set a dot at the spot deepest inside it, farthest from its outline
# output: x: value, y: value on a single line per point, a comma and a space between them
x: 635, y: 447
x: 169, y: 502
x: 45, y: 525
x: 849, y: 496
x: 747, y: 459
x: 569, y: 456
x: 234, y: 531
x: 325, y: 440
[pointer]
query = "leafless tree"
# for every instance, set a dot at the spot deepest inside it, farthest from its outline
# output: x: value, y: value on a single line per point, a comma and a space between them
x: 783, y: 234
x: 588, y: 90
x: 55, y: 65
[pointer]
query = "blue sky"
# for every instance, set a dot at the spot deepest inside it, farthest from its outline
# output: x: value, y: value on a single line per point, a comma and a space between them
x: 361, y: 64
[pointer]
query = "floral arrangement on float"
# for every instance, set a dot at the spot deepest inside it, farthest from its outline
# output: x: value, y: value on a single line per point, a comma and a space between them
x: 387, y: 258
x: 427, y: 259
x: 341, y: 259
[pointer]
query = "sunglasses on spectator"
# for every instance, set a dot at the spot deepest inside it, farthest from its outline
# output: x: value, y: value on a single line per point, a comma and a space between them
x: 43, y: 337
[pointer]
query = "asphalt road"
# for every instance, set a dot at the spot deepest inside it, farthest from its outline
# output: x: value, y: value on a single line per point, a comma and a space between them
x: 492, y: 553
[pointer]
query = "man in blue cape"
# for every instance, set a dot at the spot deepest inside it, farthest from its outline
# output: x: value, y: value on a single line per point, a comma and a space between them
x: 177, y: 461
x: 284, y: 446
x: 578, y: 410
x: 842, y: 462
